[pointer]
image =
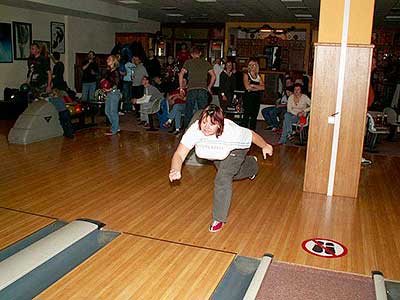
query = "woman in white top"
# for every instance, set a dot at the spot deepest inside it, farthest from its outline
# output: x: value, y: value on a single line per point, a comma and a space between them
x: 225, y: 143
x: 298, y: 106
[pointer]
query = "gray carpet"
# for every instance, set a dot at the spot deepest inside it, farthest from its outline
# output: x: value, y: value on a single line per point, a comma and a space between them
x: 288, y: 281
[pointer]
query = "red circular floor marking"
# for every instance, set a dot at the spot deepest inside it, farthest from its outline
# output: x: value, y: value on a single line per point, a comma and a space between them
x: 323, y: 247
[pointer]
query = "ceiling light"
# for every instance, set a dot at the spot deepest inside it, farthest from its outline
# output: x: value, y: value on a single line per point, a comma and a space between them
x: 236, y: 15
x: 297, y: 7
x: 266, y: 28
x: 303, y: 15
x: 168, y: 8
x: 174, y: 15
x: 129, y: 1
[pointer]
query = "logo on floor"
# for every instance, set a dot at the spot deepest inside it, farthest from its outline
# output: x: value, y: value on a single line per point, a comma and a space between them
x: 325, y: 248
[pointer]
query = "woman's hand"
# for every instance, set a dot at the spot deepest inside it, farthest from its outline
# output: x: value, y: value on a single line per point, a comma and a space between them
x: 174, y: 175
x: 267, y: 150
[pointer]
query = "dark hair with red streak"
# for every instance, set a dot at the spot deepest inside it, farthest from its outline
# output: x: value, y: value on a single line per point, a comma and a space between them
x: 216, y: 117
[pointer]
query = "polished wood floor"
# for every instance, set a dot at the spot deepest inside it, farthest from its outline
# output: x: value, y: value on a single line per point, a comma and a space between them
x: 123, y: 182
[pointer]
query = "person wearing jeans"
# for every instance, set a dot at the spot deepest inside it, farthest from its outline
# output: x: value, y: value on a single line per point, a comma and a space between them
x: 271, y: 114
x: 89, y: 77
x: 197, y: 70
x: 111, y: 110
x: 298, y: 106
x: 109, y: 84
x: 227, y: 144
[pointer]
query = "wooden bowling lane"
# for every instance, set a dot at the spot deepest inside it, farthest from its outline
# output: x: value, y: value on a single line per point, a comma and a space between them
x: 14, y: 226
x: 123, y: 182
x: 138, y: 268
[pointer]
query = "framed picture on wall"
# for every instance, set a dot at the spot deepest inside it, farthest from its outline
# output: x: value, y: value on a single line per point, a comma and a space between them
x: 22, y: 38
x: 41, y: 43
x: 6, y: 55
x: 57, y: 33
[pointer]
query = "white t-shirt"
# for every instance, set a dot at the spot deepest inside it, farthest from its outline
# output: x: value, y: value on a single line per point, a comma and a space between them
x: 218, y: 69
x: 213, y: 148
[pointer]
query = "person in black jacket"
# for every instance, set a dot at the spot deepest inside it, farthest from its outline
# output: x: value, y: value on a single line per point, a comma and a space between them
x: 58, y: 73
x: 227, y: 85
x: 152, y: 66
x: 89, y: 77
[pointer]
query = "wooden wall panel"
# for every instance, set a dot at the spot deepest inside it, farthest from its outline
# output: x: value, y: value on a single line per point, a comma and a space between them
x: 323, y: 102
x: 352, y: 126
x: 357, y: 72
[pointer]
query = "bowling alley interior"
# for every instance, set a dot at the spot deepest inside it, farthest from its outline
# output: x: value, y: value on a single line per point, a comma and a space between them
x: 105, y: 188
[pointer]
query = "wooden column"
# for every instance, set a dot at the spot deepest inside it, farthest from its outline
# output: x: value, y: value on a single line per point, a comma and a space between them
x: 324, y: 97
x: 353, y: 115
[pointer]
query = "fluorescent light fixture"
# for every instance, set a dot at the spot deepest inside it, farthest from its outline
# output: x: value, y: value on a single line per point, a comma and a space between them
x: 392, y: 17
x: 303, y: 15
x: 297, y: 7
x: 174, y: 15
x: 128, y: 1
x: 168, y: 8
x: 236, y: 15
x: 206, y: 1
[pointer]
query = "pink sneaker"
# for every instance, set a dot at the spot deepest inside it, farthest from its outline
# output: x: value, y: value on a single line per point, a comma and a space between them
x: 215, y: 226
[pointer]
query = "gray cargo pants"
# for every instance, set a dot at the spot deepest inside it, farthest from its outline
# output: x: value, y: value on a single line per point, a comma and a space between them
x: 235, y: 167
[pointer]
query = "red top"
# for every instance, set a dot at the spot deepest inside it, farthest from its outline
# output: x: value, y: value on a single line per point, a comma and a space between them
x: 183, y: 56
x: 176, y: 96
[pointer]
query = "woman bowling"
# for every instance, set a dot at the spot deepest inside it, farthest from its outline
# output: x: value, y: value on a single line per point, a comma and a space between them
x: 227, y: 144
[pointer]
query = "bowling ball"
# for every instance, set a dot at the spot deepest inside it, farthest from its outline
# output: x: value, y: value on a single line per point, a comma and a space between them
x: 99, y: 95
x: 105, y: 84
x: 78, y: 108
x: 25, y: 88
x: 70, y: 108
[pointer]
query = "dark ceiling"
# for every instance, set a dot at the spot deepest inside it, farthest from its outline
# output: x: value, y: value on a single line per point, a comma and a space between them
x: 192, y: 11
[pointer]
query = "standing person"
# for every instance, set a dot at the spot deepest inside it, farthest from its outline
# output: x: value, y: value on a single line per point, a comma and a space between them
x: 227, y: 144
x: 171, y: 74
x: 89, y: 77
x: 182, y: 55
x: 39, y: 72
x: 109, y: 85
x: 153, y: 66
x: 218, y: 68
x: 58, y: 73
x: 137, y: 76
x: 127, y: 85
x: 254, y: 86
x: 227, y: 85
x: 197, y: 70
